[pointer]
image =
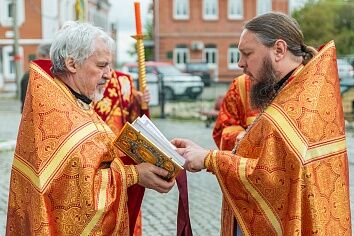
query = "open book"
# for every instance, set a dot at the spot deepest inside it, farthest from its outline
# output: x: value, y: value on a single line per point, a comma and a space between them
x: 143, y: 142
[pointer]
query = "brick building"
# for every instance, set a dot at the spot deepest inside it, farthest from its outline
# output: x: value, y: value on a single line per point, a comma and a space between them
x: 206, y: 30
x: 38, y: 20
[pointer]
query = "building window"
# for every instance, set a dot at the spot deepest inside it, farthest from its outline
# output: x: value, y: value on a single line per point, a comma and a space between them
x: 181, y: 9
x: 10, y: 9
x: 181, y: 56
x: 264, y: 6
x: 233, y: 57
x: 98, y: 18
x: 210, y: 55
x: 210, y: 9
x: 6, y: 12
x: 8, y: 63
x: 235, y: 9
x: 67, y: 11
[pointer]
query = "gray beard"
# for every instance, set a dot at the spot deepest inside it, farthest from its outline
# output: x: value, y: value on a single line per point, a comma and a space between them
x: 263, y: 91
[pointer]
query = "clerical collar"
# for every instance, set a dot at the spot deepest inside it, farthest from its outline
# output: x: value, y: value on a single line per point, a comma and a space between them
x: 80, y: 96
x: 283, y: 80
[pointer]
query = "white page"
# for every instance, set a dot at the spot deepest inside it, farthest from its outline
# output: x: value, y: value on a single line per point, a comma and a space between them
x: 159, y: 143
x: 149, y: 130
x: 148, y: 123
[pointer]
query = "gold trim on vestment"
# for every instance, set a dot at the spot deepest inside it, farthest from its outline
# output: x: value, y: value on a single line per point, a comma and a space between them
x: 233, y: 128
x: 238, y: 216
x: 274, y: 221
x: 40, y: 71
x: 123, y: 196
x: 295, y: 140
x: 41, y: 179
x: 101, y: 203
x: 63, y: 87
x: 250, y: 120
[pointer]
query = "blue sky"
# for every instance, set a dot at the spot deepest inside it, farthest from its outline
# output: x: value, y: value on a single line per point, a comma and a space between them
x: 122, y: 13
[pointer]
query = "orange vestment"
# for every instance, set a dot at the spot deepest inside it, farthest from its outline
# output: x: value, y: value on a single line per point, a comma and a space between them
x: 235, y: 113
x: 118, y: 106
x: 235, y: 116
x: 289, y: 175
x: 67, y: 178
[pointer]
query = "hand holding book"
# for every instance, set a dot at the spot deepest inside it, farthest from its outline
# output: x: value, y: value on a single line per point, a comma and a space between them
x: 150, y: 177
x: 143, y: 142
x: 194, y: 154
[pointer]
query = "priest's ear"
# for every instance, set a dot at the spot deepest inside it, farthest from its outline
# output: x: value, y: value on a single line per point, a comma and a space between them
x: 280, y: 48
x: 70, y: 64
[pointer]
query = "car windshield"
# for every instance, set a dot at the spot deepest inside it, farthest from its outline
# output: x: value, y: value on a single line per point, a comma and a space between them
x: 342, y: 62
x: 168, y: 70
x: 197, y: 66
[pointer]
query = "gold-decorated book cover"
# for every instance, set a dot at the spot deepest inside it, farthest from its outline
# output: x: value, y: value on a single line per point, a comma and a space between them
x: 143, y: 142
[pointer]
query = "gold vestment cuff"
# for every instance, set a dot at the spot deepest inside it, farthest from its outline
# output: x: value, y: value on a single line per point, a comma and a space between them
x: 132, y: 175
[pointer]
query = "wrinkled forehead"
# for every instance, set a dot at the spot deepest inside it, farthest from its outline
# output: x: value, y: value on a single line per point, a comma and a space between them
x: 248, y: 39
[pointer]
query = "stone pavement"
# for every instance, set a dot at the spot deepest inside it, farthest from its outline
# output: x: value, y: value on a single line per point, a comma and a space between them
x: 159, y: 210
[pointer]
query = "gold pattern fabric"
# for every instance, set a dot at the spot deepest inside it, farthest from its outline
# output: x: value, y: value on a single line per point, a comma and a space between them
x: 118, y: 106
x: 235, y: 116
x: 290, y: 172
x: 67, y: 178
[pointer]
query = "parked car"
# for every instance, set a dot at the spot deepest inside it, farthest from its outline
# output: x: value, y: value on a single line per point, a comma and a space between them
x: 201, y: 69
x: 176, y: 83
x: 345, y: 69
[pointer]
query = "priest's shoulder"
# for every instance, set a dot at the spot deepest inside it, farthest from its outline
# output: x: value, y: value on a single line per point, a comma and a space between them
x: 44, y: 64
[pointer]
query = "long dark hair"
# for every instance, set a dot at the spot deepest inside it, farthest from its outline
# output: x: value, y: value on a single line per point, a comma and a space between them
x: 272, y: 26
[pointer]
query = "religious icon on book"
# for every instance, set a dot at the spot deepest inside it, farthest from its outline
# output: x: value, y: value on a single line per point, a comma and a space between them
x: 143, y: 142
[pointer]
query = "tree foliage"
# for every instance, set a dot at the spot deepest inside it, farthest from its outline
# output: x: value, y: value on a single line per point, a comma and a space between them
x: 325, y: 20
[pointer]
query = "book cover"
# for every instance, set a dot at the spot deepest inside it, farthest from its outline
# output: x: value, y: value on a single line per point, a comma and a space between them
x: 143, y: 142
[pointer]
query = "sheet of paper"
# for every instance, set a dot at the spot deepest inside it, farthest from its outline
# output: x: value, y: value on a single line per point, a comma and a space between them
x: 150, y: 131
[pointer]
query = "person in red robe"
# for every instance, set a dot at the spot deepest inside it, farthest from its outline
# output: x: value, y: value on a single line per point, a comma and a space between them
x: 67, y: 177
x: 235, y: 114
x: 288, y: 175
x: 121, y: 103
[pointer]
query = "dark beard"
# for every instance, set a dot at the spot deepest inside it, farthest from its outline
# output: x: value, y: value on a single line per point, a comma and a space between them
x: 264, y: 90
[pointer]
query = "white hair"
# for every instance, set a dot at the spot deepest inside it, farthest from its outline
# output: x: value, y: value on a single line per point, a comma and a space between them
x: 76, y: 40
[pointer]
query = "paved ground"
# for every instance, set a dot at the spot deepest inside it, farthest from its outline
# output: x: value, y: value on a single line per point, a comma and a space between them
x: 159, y: 210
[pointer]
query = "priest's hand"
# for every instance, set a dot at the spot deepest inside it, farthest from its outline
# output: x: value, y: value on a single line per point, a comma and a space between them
x: 193, y: 154
x: 150, y: 177
x: 143, y: 97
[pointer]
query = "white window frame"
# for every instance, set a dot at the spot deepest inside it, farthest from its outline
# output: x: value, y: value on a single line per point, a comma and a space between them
x: 235, y: 16
x: 98, y: 18
x: 210, y: 52
x: 7, y: 60
x: 177, y: 4
x: 264, y: 6
x: 67, y: 10
x: 181, y: 52
x: 5, y: 20
x: 233, y: 52
x: 210, y: 5
x: 1, y: 70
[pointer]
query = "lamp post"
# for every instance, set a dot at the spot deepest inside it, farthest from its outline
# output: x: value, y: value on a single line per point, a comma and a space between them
x: 16, y: 54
